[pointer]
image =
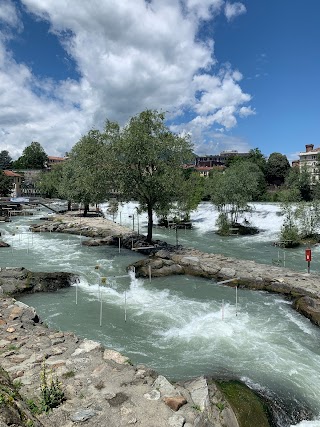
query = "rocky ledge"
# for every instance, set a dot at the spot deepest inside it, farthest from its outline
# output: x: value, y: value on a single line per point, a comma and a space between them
x: 15, y: 281
x: 100, y: 386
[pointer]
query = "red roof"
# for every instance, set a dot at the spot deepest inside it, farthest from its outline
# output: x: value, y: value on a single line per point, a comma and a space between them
x: 10, y: 173
x: 56, y: 158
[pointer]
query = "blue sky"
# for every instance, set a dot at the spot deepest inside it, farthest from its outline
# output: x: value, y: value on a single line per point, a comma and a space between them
x: 234, y: 75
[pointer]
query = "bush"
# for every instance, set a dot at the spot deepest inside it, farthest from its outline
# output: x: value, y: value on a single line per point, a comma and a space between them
x: 52, y: 394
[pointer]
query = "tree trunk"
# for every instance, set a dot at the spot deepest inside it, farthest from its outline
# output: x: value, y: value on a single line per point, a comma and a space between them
x: 69, y: 205
x: 150, y: 224
x: 86, y: 209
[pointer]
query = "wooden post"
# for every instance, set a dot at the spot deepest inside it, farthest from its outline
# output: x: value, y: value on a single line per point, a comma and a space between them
x: 149, y: 273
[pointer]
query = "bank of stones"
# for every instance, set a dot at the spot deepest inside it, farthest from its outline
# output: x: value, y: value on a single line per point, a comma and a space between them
x: 100, y: 385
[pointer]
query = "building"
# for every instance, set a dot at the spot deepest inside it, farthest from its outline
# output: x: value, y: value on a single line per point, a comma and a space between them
x: 52, y: 160
x: 309, y: 160
x: 16, y: 179
x: 204, y: 171
x: 218, y: 159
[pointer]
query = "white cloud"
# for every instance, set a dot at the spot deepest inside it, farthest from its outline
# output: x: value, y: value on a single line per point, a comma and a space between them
x: 232, y: 10
x: 130, y: 56
x: 9, y: 15
x: 246, y: 111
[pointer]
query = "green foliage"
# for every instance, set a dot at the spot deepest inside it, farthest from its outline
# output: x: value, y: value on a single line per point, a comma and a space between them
x: 48, y: 183
x: 51, y: 391
x: 189, y: 196
x: 5, y: 185
x: 232, y: 190
x: 85, y: 175
x: 298, y: 185
x: 33, y: 157
x: 147, y: 163
x: 289, y: 234
x: 223, y: 224
x: 277, y: 168
x: 307, y: 216
x: 220, y: 406
x: 69, y: 374
x: 5, y: 160
x: 34, y: 408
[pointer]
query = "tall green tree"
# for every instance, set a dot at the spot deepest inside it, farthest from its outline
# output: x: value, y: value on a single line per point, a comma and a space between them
x: 148, y: 160
x: 277, y: 168
x: 255, y: 156
x: 33, y: 157
x: 5, y: 160
x: 297, y: 185
x: 85, y: 175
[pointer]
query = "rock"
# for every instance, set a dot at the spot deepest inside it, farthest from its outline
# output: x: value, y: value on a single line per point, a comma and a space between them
x: 152, y: 395
x: 115, y: 356
x: 16, y: 312
x: 15, y: 281
x: 11, y: 329
x: 199, y: 392
x: 176, y: 421
x: 175, y: 402
x: 82, y: 415
x: 165, y: 387
x: 86, y: 346
x: 4, y: 244
x: 227, y: 272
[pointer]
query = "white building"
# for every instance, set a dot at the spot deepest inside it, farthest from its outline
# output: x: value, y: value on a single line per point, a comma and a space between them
x: 309, y: 160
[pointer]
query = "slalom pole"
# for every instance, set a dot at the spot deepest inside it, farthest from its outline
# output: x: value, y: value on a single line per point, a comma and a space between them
x: 125, y: 305
x: 236, y: 300
x: 100, y: 311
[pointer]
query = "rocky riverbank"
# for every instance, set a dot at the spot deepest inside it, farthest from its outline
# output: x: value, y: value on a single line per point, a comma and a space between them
x: 100, y: 386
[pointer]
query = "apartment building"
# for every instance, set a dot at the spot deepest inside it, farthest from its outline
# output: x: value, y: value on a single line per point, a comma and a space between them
x: 309, y: 160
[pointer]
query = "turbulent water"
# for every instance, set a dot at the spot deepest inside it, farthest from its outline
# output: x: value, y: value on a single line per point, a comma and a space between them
x: 183, y: 326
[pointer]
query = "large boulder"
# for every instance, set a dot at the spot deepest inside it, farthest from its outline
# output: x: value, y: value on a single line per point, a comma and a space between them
x: 14, y: 281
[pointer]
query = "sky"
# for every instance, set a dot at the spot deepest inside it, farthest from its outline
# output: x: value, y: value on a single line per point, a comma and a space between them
x: 233, y: 75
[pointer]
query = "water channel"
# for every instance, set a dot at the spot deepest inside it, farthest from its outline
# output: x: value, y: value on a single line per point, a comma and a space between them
x: 182, y: 326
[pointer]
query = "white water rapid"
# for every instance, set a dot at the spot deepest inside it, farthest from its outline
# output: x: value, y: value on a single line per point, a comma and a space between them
x: 182, y: 326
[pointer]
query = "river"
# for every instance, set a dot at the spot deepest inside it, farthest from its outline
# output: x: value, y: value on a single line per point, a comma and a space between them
x: 182, y: 326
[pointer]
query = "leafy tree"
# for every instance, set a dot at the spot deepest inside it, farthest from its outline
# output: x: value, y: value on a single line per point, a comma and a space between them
x: 233, y: 190
x: 259, y: 159
x: 5, y: 160
x: 289, y: 234
x: 48, y: 183
x: 277, y: 169
x: 5, y: 184
x: 84, y: 176
x: 189, y: 196
x: 33, y: 157
x: 307, y: 216
x: 297, y: 185
x: 148, y: 162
